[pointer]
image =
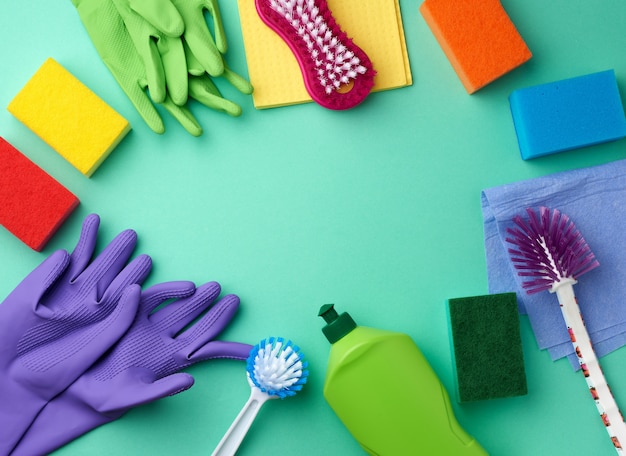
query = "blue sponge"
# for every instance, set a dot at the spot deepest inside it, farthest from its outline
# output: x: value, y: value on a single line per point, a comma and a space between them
x: 568, y: 114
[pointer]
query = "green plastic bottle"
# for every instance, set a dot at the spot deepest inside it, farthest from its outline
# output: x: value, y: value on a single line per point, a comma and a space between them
x: 384, y: 391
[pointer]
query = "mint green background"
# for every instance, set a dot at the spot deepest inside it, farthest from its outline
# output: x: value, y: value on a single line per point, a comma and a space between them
x: 376, y: 209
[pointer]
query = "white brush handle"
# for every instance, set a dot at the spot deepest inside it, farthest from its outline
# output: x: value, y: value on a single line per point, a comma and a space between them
x: 605, y: 402
x: 238, y: 429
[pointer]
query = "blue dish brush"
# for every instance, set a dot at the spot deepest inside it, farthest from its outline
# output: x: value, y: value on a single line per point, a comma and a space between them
x: 275, y: 369
x: 551, y: 254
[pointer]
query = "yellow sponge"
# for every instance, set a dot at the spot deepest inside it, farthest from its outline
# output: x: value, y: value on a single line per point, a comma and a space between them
x: 68, y: 116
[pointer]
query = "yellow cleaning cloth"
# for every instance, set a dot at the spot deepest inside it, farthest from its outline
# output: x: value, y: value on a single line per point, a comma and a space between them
x: 69, y: 117
x: 374, y: 25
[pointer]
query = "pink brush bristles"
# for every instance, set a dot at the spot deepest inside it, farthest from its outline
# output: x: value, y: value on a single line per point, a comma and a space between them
x: 337, y: 73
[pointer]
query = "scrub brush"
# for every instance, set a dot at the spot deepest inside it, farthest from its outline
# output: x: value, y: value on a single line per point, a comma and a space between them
x: 337, y: 73
x: 275, y: 369
x: 551, y: 253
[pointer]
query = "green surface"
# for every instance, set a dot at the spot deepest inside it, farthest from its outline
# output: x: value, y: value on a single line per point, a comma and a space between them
x: 376, y: 209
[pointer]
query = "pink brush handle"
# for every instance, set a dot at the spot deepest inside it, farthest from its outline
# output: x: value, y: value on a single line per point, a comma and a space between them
x: 605, y: 402
x: 323, y: 50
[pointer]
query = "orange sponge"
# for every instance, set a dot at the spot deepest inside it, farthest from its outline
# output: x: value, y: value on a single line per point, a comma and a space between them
x: 478, y: 38
x: 33, y: 205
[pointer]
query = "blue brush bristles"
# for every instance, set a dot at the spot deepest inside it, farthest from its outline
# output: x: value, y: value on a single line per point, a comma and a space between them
x: 276, y: 367
x: 549, y: 249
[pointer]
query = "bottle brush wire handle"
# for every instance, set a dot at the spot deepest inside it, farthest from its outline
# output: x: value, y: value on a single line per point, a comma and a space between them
x: 550, y: 254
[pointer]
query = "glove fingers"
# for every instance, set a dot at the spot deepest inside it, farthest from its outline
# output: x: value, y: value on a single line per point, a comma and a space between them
x: 49, y: 271
x: 183, y: 116
x: 135, y: 89
x: 237, y: 81
x: 202, y: 89
x: 161, y: 14
x: 221, y: 349
x: 204, y: 48
x: 198, y: 36
x: 143, y: 37
x: 144, y: 106
x: 137, y: 34
x: 156, y: 295
x: 210, y: 325
x: 194, y: 67
x: 155, y: 72
x: 34, y: 286
x: 105, y: 268
x: 134, y: 273
x: 139, y: 393
x: 175, y: 68
x: 218, y: 28
x: 175, y: 316
x: 83, y: 252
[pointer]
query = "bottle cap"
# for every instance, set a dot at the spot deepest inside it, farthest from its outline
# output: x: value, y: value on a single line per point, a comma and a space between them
x: 337, y: 325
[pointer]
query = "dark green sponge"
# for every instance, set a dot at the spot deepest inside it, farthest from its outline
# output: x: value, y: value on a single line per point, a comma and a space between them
x: 486, y: 347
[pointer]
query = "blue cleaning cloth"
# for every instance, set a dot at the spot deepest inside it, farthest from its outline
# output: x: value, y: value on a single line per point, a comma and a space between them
x: 568, y: 114
x: 595, y: 200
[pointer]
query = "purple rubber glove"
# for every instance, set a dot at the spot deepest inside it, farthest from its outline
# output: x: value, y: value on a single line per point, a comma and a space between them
x: 59, y: 320
x: 143, y: 366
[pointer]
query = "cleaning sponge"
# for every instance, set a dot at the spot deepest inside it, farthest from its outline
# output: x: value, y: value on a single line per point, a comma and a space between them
x: 33, y: 205
x: 568, y: 114
x: 478, y: 37
x: 486, y: 347
x: 68, y: 116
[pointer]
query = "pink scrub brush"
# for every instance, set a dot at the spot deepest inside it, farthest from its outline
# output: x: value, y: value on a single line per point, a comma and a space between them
x: 337, y: 73
x: 552, y: 254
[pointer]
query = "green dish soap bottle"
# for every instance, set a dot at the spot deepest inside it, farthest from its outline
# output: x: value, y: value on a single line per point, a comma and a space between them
x: 382, y: 388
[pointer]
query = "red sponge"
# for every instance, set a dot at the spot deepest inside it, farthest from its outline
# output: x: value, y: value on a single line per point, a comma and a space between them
x: 478, y: 38
x: 33, y: 205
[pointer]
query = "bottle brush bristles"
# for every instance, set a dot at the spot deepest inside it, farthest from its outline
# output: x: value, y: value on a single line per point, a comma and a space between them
x: 549, y: 249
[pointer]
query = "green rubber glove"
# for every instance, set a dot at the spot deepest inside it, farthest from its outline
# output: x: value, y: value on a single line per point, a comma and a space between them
x: 208, y: 49
x: 197, y: 72
x: 116, y: 49
x: 205, y: 91
x: 155, y: 27
x: 162, y: 14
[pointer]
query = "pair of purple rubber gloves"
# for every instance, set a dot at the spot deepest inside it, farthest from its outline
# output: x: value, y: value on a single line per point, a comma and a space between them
x: 81, y: 343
